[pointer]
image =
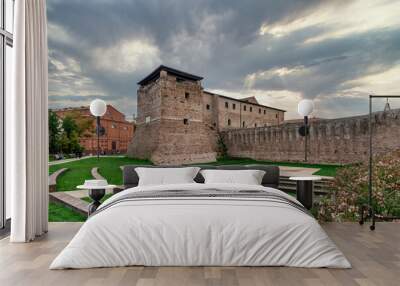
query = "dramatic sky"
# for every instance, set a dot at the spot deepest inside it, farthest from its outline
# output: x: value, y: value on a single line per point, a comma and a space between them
x: 335, y: 52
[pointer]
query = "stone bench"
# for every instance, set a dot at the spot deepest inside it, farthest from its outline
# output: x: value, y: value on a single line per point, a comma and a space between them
x: 74, y: 203
x: 53, y: 179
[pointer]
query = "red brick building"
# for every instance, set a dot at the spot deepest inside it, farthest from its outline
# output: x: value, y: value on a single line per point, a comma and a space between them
x: 118, y: 131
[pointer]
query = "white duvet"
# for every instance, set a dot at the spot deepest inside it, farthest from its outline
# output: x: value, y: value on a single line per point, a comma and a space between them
x: 193, y: 231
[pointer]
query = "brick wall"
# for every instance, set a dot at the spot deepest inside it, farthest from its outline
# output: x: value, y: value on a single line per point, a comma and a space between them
x: 343, y: 140
x: 170, y: 125
x: 118, y: 131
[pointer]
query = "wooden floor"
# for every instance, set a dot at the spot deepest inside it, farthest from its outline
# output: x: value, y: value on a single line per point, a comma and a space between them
x: 375, y: 257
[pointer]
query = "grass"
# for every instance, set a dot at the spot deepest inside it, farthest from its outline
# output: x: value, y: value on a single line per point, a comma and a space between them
x: 89, y: 200
x: 59, y: 212
x: 109, y: 167
x: 79, y: 171
x: 325, y: 169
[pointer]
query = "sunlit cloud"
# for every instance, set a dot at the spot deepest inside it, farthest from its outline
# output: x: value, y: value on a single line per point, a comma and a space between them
x: 339, y: 19
x: 251, y: 79
x: 127, y: 56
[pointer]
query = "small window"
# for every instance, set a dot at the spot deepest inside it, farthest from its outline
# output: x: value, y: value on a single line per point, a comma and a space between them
x: 214, y: 124
x: 233, y: 106
x: 226, y: 104
x: 113, y: 126
x: 187, y: 95
x: 244, y: 124
x: 186, y: 121
x: 229, y: 122
x: 259, y: 110
x: 265, y: 112
x: 251, y: 109
x: 255, y: 124
x: 208, y: 107
x: 148, y: 119
x: 244, y: 107
x: 276, y: 115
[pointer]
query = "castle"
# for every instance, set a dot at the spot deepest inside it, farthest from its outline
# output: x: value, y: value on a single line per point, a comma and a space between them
x: 178, y: 121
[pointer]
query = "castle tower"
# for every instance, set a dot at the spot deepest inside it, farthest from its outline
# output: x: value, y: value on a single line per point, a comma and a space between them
x: 170, y: 128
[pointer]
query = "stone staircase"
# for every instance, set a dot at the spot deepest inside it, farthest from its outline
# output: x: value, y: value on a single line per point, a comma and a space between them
x: 289, y: 186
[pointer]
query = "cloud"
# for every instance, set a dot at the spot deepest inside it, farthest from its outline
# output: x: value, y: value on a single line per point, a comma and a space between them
x: 335, y: 52
x: 127, y: 56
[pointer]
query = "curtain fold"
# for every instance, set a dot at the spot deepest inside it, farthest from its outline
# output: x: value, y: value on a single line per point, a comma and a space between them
x: 28, y: 156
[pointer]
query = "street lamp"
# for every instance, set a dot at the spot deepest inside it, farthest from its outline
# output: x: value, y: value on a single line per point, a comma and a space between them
x: 98, y: 108
x: 304, y: 108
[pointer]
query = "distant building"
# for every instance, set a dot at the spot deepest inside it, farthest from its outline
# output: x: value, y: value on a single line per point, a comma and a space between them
x: 178, y: 122
x: 118, y: 131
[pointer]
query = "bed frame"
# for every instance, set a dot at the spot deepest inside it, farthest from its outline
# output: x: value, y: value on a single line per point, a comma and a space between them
x: 270, y: 179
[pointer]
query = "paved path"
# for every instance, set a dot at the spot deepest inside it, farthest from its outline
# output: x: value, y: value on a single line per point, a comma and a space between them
x: 77, y: 204
x: 81, y: 158
x: 57, y: 162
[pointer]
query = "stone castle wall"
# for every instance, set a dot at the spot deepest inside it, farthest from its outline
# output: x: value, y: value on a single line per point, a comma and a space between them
x: 170, y: 126
x: 343, y: 140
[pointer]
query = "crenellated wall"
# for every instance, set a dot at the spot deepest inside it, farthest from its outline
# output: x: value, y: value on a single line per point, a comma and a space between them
x: 342, y: 140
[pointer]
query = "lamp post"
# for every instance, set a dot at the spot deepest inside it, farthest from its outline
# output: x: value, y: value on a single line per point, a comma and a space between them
x: 98, y: 108
x: 304, y: 108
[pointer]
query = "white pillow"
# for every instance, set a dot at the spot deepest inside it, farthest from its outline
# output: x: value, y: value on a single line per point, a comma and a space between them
x: 247, y: 177
x: 166, y: 176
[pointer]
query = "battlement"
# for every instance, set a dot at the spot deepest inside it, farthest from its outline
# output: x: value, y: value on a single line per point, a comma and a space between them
x: 342, y: 140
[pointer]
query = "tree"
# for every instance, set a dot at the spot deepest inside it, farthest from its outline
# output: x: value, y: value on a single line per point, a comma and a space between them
x: 54, y: 133
x: 84, y: 124
x: 69, y: 126
x: 71, y: 133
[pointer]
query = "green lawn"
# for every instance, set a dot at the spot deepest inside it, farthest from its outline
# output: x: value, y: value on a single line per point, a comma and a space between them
x: 325, y: 169
x: 109, y: 168
x: 79, y: 171
x: 59, y: 212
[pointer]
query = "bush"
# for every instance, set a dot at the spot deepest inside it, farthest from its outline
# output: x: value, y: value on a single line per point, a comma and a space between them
x: 350, y: 189
x: 222, y: 150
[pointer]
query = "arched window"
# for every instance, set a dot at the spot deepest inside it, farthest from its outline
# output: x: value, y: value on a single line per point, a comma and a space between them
x: 229, y: 122
x: 244, y: 124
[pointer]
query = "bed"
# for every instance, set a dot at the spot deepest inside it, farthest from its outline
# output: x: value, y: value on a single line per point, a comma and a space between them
x: 201, y: 224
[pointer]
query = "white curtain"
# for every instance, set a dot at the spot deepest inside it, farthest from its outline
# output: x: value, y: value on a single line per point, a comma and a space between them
x: 28, y: 154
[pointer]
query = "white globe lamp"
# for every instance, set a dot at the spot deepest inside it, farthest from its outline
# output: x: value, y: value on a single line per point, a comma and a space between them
x: 98, y: 108
x: 305, y: 108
